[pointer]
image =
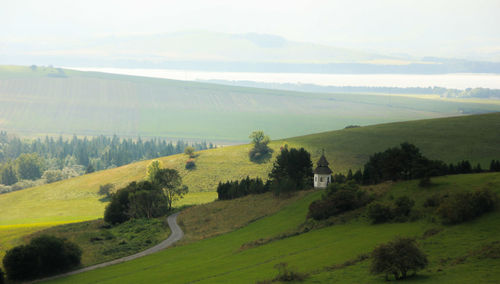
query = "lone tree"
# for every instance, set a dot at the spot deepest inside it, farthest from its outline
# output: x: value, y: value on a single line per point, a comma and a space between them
x: 398, y: 257
x: 260, y: 150
x: 171, y: 182
x: 189, y: 150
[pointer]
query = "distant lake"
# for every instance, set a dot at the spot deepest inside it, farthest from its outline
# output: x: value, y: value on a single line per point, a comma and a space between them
x: 455, y: 81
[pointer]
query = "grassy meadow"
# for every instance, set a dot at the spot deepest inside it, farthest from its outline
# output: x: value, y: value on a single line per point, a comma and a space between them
x: 215, y: 218
x: 451, y: 139
x: 55, y: 101
x: 101, y: 243
x: 463, y: 253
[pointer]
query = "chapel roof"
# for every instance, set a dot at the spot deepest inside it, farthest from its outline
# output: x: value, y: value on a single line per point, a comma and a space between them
x: 322, y: 168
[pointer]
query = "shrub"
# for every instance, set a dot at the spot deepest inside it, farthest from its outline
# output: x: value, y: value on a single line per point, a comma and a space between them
x: 425, y: 182
x: 379, y: 212
x: 340, y: 198
x: 403, y: 207
x: 285, y: 274
x: 398, y: 257
x: 190, y: 164
x: 465, y: 206
x: 320, y: 210
x: 55, y: 254
x: 2, y: 278
x: 21, y: 263
x: 105, y: 189
x: 432, y: 201
x: 137, y: 200
x: 53, y: 175
x: 44, y: 255
x: 398, y: 211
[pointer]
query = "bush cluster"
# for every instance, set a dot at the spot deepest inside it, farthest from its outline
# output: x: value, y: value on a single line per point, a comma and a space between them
x: 339, y: 198
x: 234, y: 189
x: 43, y: 256
x: 137, y: 200
x: 464, y: 206
x: 399, y: 210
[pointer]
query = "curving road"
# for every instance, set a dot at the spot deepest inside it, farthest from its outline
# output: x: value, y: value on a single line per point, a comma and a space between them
x: 175, y: 235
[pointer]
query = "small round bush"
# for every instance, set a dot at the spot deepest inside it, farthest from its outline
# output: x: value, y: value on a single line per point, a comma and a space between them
x: 403, y: 206
x: 379, y: 212
x: 398, y: 257
x: 190, y: 164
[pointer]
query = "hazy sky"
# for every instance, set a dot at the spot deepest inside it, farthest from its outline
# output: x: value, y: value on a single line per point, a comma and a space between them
x: 434, y: 27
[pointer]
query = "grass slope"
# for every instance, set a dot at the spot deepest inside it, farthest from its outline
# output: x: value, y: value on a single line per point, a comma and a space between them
x: 474, y: 138
x: 456, y: 253
x: 451, y: 139
x: 100, y: 243
x: 87, y: 103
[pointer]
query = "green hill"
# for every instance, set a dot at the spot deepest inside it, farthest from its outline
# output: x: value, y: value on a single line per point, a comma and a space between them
x: 465, y: 253
x: 451, y: 139
x: 57, y: 101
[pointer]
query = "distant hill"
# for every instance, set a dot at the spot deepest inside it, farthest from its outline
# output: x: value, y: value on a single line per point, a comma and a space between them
x: 250, y: 52
x: 44, y: 100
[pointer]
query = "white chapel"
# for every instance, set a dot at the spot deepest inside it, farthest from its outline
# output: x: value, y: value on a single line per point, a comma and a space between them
x: 322, y: 173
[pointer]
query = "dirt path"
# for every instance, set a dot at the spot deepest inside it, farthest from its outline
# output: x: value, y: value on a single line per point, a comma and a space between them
x: 175, y: 235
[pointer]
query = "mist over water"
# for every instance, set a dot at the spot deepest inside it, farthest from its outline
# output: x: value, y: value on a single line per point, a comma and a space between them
x: 454, y: 81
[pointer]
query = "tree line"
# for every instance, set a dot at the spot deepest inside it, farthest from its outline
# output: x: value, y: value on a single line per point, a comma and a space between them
x: 407, y: 162
x: 234, y: 189
x: 54, y: 159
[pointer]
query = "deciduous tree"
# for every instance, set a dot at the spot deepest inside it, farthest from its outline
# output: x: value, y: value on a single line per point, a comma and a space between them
x: 398, y: 257
x: 30, y: 166
x: 170, y: 182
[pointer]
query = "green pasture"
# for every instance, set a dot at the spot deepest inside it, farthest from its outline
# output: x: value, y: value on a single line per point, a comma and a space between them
x: 454, y: 252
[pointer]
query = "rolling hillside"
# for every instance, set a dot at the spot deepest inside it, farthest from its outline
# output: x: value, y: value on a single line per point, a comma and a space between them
x: 54, y: 101
x: 465, y: 253
x: 450, y: 139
